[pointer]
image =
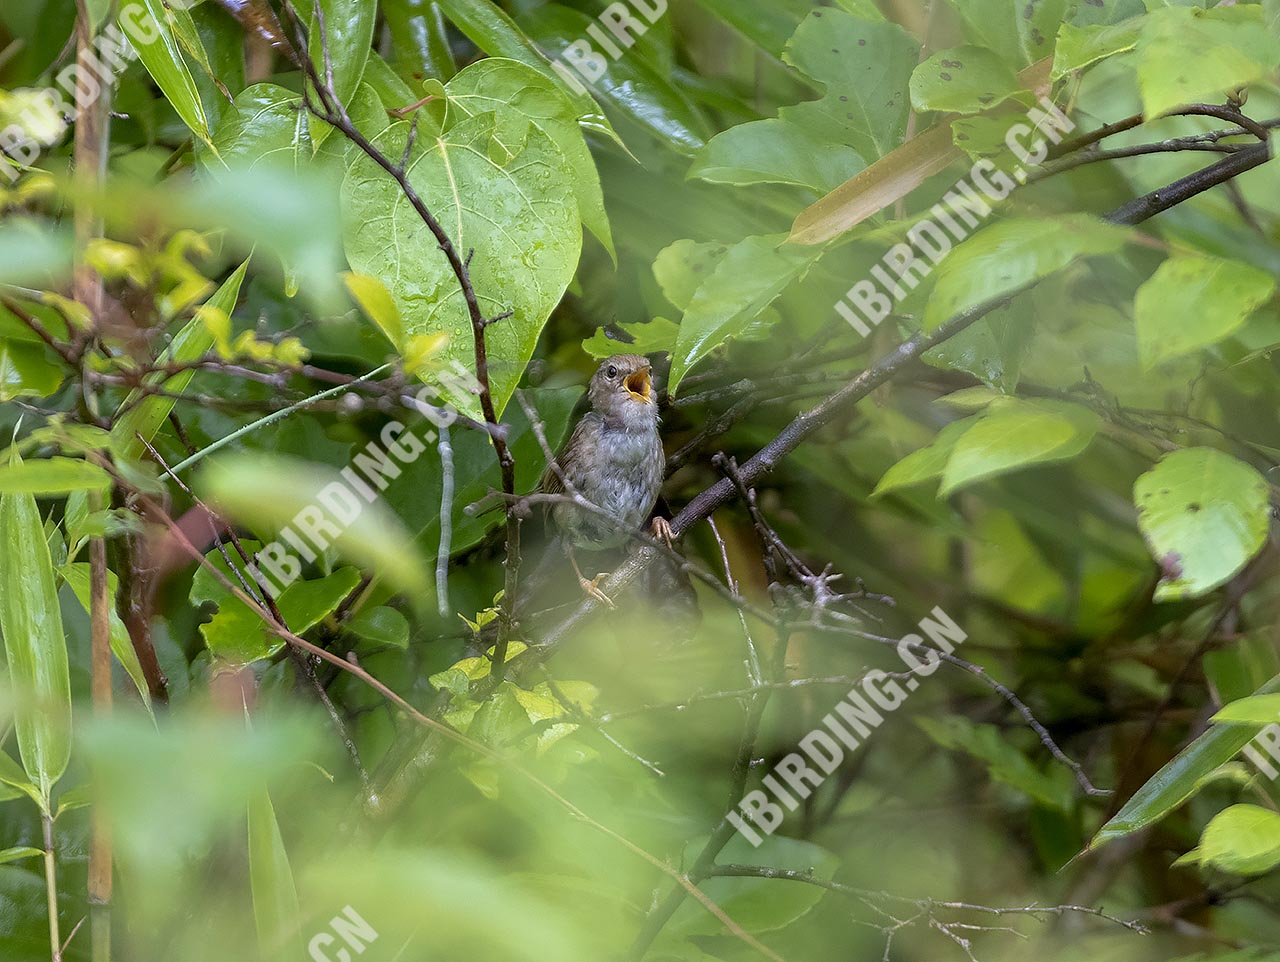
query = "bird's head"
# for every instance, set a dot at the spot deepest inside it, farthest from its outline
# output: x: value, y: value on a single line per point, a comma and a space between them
x: 622, y: 387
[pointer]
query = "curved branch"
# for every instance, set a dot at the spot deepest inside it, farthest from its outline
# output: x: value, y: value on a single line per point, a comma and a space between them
x: 888, y: 367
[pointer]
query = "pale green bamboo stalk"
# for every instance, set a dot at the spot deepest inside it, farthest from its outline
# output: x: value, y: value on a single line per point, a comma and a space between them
x: 262, y: 422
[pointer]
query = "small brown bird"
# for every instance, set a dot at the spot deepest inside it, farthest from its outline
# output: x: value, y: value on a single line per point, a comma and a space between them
x: 614, y: 460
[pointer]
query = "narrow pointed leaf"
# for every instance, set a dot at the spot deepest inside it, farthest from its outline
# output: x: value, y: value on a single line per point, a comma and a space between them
x: 145, y: 417
x: 35, y: 647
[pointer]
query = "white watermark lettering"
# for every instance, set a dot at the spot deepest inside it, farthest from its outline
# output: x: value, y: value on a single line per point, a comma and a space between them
x: 844, y: 729
x: 961, y: 211
x: 348, y: 932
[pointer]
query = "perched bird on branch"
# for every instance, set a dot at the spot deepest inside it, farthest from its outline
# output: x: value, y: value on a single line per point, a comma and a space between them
x: 613, y: 460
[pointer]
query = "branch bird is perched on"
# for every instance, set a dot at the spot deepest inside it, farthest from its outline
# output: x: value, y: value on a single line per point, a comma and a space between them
x: 614, y: 460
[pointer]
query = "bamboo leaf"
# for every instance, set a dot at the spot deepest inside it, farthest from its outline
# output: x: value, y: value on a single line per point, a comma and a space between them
x: 1179, y: 779
x: 275, y: 898
x: 50, y: 477
x: 35, y: 647
x: 145, y: 416
x: 162, y: 57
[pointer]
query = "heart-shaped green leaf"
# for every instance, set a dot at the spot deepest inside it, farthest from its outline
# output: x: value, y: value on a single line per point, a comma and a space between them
x: 519, y: 214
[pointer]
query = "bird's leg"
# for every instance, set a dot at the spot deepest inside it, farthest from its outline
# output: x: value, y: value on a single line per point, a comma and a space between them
x: 589, y: 586
x: 661, y: 529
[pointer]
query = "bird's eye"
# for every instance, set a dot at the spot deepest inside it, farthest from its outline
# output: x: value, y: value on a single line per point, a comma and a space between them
x: 612, y: 372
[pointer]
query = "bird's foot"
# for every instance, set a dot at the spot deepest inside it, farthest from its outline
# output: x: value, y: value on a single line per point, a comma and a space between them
x: 661, y: 529
x: 592, y: 590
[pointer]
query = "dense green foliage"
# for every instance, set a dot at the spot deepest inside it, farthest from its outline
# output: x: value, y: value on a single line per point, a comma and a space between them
x: 291, y: 241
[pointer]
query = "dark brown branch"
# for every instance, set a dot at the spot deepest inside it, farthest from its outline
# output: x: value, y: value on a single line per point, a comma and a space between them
x: 331, y: 110
x: 261, y: 595
x: 808, y: 878
x: 807, y: 423
x: 888, y: 367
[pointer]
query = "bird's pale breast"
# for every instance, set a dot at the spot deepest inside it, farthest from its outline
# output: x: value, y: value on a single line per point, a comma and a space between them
x: 618, y: 468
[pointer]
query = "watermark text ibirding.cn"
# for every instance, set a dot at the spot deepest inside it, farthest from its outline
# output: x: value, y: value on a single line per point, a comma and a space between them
x: 77, y: 86
x: 316, y: 526
x: 581, y: 60
x: 961, y: 211
x: 348, y: 932
x: 844, y: 729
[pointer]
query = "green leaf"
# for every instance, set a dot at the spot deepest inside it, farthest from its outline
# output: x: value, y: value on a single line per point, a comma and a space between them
x: 1188, y: 55
x: 497, y: 83
x: 1181, y: 777
x: 268, y: 125
x: 14, y: 782
x: 1079, y: 47
x: 305, y: 603
x: 767, y: 23
x: 1014, y: 434
x: 775, y: 151
x: 681, y: 267
x: 164, y: 61
x: 519, y: 213
x: 27, y: 370
x: 420, y: 40
x: 486, y: 25
x: 223, y: 69
x: 632, y: 86
x: 378, y: 305
x: 747, y: 280
x: 387, y: 84
x: 1256, y: 710
x: 193, y: 341
x: 52, y: 477
x: 645, y: 338
x: 237, y: 634
x: 1243, y: 840
x: 1203, y: 514
x: 348, y: 34
x: 268, y: 492
x: 13, y: 854
x: 864, y: 69
x: 76, y: 575
x: 73, y: 799
x: 1192, y: 302
x: 275, y: 898
x: 34, y: 644
x: 964, y: 80
x: 927, y: 463
x: 1020, y: 32
x: 757, y: 904
x: 32, y: 254
x: 1008, y: 256
x: 993, y: 348
x: 458, y: 677
x: 416, y: 495
x: 381, y: 626
x: 1005, y: 763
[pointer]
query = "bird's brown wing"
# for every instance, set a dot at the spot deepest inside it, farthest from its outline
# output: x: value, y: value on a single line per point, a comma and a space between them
x: 551, y: 482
